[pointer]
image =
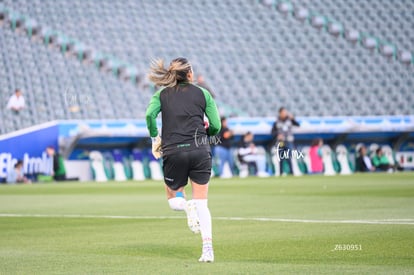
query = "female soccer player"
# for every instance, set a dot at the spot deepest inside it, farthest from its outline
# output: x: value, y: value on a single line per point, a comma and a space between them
x: 184, y: 147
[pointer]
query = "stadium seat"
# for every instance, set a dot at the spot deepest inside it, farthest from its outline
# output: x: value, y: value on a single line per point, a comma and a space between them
x: 118, y: 166
x: 98, y: 166
x: 357, y: 147
x: 31, y: 27
x: 3, y: 14
x: 306, y: 159
x: 327, y: 161
x: 137, y: 165
x: 155, y: 168
x: 406, y: 57
x: 342, y: 157
x: 319, y: 22
x: 301, y: 13
x: 372, y: 148
x: 370, y: 43
x: 295, y: 166
x: 388, y: 152
x: 335, y: 28
x: 276, y: 164
x: 388, y: 50
x: 285, y: 7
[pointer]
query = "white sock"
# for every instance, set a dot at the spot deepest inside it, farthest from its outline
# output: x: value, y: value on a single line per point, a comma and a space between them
x: 177, y: 203
x: 205, y: 222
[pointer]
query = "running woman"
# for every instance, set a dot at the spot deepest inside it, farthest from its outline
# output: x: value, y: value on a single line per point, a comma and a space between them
x: 184, y: 147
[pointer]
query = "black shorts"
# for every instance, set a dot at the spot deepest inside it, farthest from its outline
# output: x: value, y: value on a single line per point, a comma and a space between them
x: 180, y: 166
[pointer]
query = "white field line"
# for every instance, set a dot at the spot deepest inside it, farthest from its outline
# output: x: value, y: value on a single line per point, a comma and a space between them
x: 382, y: 221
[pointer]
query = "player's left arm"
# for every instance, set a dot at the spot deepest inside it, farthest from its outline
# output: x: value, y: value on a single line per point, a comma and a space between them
x: 212, y: 114
x: 153, y: 109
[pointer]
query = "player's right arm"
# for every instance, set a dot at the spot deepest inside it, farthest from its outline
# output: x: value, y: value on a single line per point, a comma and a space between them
x: 153, y: 109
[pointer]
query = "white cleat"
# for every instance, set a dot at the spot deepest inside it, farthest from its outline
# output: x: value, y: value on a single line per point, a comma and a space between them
x: 192, y: 217
x: 207, y: 256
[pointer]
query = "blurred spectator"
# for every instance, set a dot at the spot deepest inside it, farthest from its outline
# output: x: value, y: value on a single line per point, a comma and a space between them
x: 315, y: 154
x: 248, y: 152
x: 282, y: 137
x: 17, y: 175
x: 363, y: 162
x: 202, y: 83
x: 223, y: 149
x: 59, y: 171
x: 380, y: 161
x: 16, y: 102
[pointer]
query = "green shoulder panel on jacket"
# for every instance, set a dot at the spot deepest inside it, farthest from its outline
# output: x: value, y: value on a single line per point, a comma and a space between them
x: 211, y: 113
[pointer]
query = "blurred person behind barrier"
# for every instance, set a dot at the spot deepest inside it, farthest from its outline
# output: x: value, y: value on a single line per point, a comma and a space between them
x: 282, y: 137
x: 248, y: 152
x: 315, y: 154
x: 363, y: 162
x: 223, y: 148
x: 59, y: 170
x: 16, y: 102
x: 17, y: 175
x: 381, y: 162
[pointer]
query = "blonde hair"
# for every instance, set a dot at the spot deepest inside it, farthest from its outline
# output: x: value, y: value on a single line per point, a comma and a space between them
x: 176, y: 72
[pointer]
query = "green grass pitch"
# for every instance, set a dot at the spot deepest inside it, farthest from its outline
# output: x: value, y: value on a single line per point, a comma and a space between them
x: 300, y: 225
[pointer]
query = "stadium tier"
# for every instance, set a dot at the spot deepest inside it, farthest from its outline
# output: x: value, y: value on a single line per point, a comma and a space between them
x: 255, y: 58
x: 387, y: 20
x: 56, y: 87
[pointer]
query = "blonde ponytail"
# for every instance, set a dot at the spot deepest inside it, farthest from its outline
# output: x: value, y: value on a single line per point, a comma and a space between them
x: 176, y: 72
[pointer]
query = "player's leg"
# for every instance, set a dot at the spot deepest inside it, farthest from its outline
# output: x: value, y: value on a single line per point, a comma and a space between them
x: 177, y: 202
x: 175, y: 177
x: 200, y: 176
x: 200, y: 197
x: 176, y: 198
